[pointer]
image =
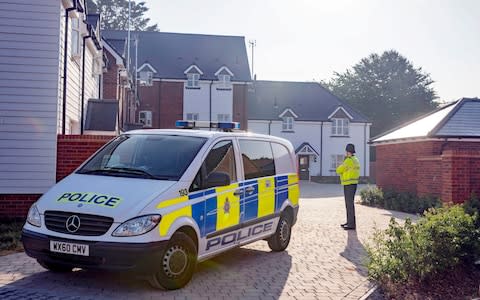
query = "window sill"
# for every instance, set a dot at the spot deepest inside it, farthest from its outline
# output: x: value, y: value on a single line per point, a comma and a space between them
x: 340, y: 136
x: 192, y: 87
x: 288, y: 131
x: 224, y: 89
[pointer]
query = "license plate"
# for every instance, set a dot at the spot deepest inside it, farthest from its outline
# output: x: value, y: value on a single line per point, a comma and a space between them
x: 69, y: 248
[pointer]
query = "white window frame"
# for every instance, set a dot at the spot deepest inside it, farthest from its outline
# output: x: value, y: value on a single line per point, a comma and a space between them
x: 147, y: 120
x: 75, y: 38
x: 224, y: 118
x: 336, y: 160
x: 288, y: 123
x: 193, y: 80
x: 192, y: 116
x: 225, y: 81
x: 340, y: 127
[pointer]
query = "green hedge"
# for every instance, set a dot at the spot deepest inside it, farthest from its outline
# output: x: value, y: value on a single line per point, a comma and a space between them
x: 406, y: 202
x: 442, y: 239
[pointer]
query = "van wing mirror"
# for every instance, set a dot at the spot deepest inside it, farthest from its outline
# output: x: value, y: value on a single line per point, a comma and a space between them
x: 217, y: 179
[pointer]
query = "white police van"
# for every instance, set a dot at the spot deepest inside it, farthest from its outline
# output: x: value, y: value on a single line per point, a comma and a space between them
x: 157, y: 201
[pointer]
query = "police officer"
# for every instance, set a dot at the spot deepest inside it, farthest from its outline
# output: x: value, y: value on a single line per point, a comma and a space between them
x: 349, y: 172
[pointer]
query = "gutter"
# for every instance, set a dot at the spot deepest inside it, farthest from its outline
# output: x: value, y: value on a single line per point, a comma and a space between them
x: 65, y: 65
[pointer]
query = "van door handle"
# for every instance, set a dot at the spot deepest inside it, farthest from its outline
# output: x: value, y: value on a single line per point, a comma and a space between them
x: 250, y: 189
x: 238, y: 193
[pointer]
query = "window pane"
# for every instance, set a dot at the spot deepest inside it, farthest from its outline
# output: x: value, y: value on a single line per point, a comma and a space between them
x: 283, y: 161
x: 222, y: 159
x: 257, y: 159
x: 163, y: 156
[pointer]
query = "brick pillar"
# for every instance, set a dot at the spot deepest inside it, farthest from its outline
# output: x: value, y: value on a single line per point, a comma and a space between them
x: 460, y: 175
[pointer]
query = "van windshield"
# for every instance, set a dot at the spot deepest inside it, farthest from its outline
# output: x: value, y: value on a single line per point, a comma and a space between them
x: 162, y: 157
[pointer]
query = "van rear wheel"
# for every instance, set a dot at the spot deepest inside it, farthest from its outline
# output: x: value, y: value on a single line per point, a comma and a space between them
x: 58, y: 268
x: 178, y: 263
x: 280, y: 240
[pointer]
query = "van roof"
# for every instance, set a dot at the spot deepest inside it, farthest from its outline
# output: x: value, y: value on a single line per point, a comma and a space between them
x: 203, y: 133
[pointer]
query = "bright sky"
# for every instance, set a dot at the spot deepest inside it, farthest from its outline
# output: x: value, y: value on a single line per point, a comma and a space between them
x: 304, y: 40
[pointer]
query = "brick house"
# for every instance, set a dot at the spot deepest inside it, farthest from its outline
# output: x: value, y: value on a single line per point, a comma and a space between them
x: 316, y: 122
x: 437, y: 154
x: 183, y: 76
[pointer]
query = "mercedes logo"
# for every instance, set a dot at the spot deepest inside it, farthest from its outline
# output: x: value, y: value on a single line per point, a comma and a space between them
x: 73, y: 224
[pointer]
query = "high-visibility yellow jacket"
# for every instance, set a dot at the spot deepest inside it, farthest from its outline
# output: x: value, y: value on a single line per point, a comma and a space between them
x: 349, y: 171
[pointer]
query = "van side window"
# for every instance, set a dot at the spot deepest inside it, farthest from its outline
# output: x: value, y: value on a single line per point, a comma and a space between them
x: 257, y: 159
x: 221, y: 158
x: 283, y: 161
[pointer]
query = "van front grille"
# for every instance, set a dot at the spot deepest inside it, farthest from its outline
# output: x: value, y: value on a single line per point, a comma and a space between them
x: 90, y: 225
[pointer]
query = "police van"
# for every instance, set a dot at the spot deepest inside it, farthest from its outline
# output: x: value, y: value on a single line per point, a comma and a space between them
x: 158, y: 201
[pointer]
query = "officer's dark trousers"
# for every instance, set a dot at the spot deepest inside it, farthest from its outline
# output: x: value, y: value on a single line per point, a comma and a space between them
x: 349, y: 191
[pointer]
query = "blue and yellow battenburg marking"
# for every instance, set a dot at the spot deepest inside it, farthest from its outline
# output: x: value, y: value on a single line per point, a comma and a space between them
x: 90, y: 198
x: 221, y: 208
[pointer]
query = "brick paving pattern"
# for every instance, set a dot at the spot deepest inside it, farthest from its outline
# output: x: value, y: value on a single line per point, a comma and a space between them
x: 322, y: 262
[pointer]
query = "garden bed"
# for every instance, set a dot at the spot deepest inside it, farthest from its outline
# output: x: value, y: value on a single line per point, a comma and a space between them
x: 10, y: 233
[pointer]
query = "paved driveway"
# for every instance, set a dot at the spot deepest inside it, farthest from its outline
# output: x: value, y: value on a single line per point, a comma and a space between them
x: 322, y: 262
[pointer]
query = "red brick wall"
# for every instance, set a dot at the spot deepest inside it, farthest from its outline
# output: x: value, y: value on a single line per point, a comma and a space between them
x: 16, y: 206
x: 450, y: 170
x: 110, y: 78
x: 164, y: 100
x: 72, y: 150
x: 171, y: 103
x: 429, y: 179
x: 397, y: 164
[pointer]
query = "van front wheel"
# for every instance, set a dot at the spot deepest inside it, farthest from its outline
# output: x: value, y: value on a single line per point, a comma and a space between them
x: 178, y: 263
x: 280, y: 240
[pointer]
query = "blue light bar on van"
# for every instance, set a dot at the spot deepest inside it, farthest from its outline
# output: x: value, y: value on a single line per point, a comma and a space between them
x: 206, y: 124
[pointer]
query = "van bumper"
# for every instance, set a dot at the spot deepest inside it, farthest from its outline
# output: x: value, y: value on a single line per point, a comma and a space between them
x: 142, y: 259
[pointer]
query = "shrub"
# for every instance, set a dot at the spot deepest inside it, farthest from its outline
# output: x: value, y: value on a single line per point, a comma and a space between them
x: 372, y: 196
x: 442, y: 239
x: 390, y: 199
x: 10, y: 233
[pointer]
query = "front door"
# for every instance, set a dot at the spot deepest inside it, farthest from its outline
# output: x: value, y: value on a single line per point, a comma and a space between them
x: 303, y: 166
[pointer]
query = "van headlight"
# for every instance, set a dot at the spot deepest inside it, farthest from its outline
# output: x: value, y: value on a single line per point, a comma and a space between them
x: 33, y: 217
x: 137, y: 226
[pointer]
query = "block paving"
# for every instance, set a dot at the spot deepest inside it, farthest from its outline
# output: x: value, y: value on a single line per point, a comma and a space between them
x: 323, y: 261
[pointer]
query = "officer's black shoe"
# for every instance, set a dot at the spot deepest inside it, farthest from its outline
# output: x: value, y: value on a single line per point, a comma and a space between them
x: 343, y: 225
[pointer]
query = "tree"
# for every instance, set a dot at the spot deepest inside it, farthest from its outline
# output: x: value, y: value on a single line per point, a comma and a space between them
x: 114, y: 14
x: 386, y: 88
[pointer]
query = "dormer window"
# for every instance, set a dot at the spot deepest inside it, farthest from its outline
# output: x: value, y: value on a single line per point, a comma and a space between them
x: 340, y: 118
x: 287, y: 124
x: 193, y: 80
x: 224, y: 76
x: 193, y: 77
x: 288, y: 117
x: 340, y: 127
x: 224, y: 80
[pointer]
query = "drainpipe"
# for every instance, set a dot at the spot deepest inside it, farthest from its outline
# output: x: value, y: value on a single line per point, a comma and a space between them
x: 210, y: 101
x: 321, y: 148
x: 83, y: 82
x: 270, y: 127
x: 365, y: 150
x: 160, y: 102
x: 65, y: 65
